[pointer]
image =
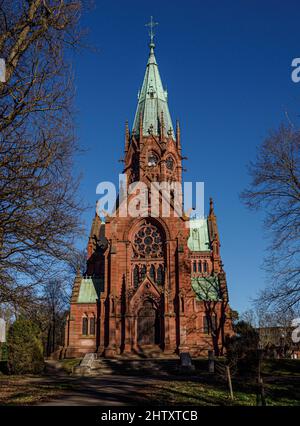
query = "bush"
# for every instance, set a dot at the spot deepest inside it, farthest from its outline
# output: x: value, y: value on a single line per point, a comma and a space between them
x: 25, y: 348
x: 241, y: 349
x: 3, y: 352
x: 3, y: 358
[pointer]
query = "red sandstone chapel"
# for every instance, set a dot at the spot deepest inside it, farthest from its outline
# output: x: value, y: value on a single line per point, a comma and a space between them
x: 152, y: 284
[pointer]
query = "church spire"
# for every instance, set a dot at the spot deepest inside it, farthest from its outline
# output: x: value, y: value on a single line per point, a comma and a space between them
x: 152, y: 98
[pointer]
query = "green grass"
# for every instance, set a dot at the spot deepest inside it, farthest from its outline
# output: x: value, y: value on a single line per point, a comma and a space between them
x: 28, y: 390
x: 217, y: 394
x: 281, y: 383
x: 281, y: 367
x: 69, y: 364
x: 193, y: 393
x: 281, y: 379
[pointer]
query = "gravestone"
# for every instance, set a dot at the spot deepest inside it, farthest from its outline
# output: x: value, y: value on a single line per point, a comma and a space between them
x: 88, y: 360
x: 186, y: 361
x: 2, y: 330
x: 2, y: 72
x: 211, y: 362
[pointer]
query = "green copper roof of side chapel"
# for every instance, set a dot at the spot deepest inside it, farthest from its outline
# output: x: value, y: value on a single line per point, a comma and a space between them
x: 152, y: 100
x: 90, y: 290
x: 199, y: 237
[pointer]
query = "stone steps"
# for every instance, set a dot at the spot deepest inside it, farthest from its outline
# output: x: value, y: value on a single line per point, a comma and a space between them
x: 103, y: 366
x: 152, y: 363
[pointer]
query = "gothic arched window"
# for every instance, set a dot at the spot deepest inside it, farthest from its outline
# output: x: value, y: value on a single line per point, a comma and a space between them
x: 148, y: 254
x: 205, y: 266
x: 194, y: 266
x: 170, y: 163
x: 136, y: 276
x: 152, y: 272
x: 152, y: 159
x: 160, y: 275
x: 92, y: 325
x: 148, y: 241
x: 135, y: 168
x: 143, y: 272
x: 209, y: 324
x: 85, y: 325
x: 199, y: 266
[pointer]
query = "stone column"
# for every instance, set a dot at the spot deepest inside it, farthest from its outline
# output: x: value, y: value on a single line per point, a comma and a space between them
x: 118, y: 316
x: 110, y: 350
x: 127, y: 343
x: 183, y: 287
x: 101, y: 324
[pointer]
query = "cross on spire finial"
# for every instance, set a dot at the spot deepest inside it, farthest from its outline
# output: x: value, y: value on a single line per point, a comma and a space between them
x: 151, y: 26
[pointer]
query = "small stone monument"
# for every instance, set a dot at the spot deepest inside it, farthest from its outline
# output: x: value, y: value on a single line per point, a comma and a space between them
x: 2, y: 72
x: 186, y: 361
x: 2, y: 330
x: 211, y: 362
x: 88, y: 360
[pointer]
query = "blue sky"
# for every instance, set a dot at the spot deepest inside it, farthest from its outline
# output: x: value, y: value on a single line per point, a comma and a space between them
x: 227, y: 68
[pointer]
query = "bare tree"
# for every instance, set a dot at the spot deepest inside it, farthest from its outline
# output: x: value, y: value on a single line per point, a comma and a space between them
x: 39, y: 209
x: 55, y: 302
x: 250, y: 317
x: 259, y: 317
x: 48, y: 311
x: 275, y: 189
x: 215, y: 301
x: 78, y: 262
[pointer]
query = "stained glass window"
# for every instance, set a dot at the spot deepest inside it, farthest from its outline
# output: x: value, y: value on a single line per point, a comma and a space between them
x: 148, y: 254
x: 135, y: 168
x: 152, y: 272
x: 152, y: 159
x: 92, y: 325
x: 85, y: 326
x: 148, y: 242
x: 170, y: 163
x: 136, y: 276
x: 143, y: 272
x: 160, y: 275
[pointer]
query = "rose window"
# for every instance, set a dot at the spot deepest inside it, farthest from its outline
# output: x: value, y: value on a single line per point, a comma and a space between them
x: 148, y: 242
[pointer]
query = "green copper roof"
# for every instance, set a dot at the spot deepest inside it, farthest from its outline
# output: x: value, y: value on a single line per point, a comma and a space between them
x: 90, y: 289
x: 206, y: 288
x: 152, y: 100
x: 198, y: 239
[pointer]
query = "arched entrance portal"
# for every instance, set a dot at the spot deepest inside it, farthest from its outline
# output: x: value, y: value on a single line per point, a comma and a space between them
x: 148, y: 325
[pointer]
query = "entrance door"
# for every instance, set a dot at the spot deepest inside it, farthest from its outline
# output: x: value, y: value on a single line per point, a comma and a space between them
x: 147, y: 324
